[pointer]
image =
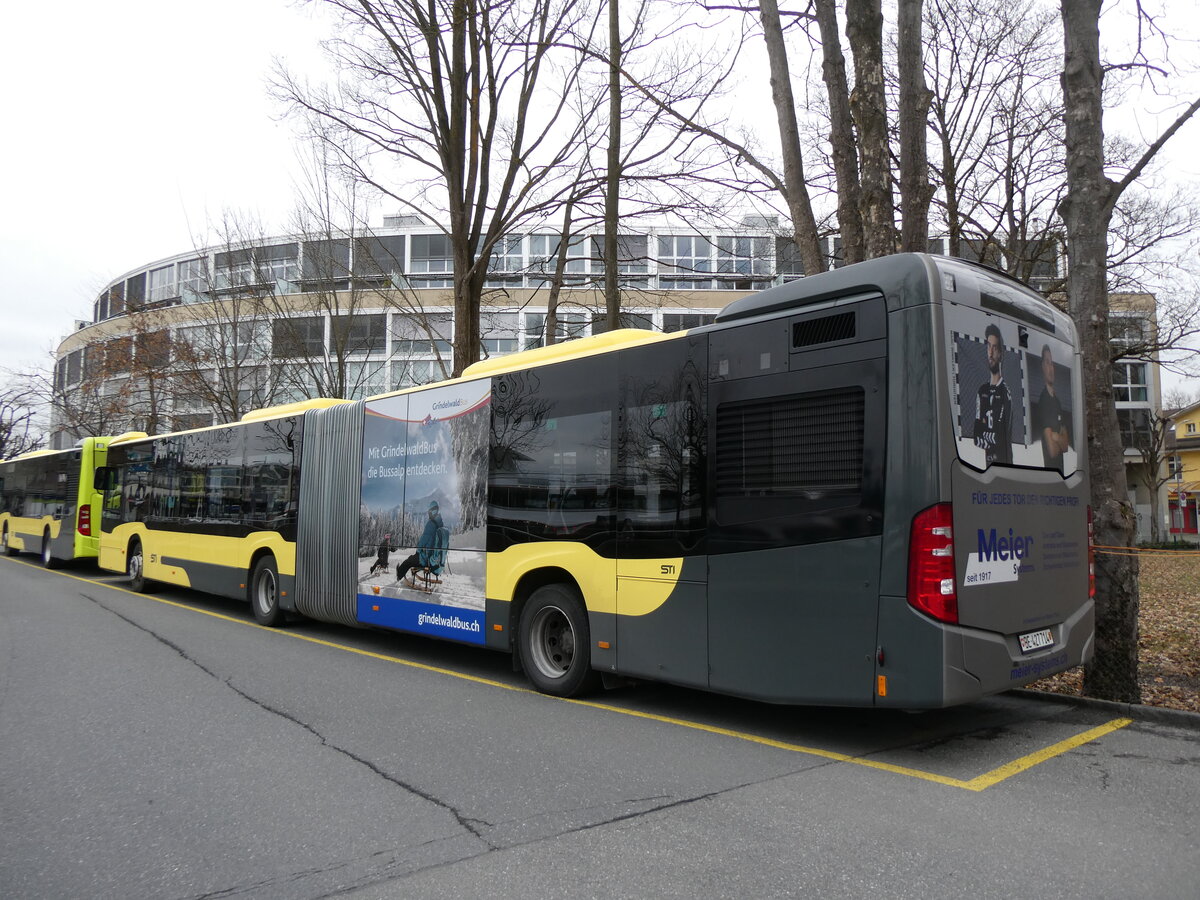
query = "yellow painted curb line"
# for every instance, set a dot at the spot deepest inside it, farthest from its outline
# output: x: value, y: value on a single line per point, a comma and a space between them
x: 979, y: 783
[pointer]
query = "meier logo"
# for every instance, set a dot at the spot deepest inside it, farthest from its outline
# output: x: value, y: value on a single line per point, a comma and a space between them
x: 1004, y: 547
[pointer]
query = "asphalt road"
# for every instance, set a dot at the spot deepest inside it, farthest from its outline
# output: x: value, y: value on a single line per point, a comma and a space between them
x: 165, y: 746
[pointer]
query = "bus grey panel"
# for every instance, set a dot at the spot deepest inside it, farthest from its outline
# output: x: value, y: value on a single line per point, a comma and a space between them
x: 671, y: 642
x: 747, y: 351
x: 806, y: 630
x: 921, y: 659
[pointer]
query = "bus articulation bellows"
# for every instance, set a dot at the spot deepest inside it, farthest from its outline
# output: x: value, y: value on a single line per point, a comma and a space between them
x: 865, y: 487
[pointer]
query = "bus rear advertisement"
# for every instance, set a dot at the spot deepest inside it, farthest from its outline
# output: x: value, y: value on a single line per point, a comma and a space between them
x: 865, y: 488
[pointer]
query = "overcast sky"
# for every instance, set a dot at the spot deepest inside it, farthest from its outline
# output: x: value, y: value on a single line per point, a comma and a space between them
x: 131, y: 125
x: 128, y: 127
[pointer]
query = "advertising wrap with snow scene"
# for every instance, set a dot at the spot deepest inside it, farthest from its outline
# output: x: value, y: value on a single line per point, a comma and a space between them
x: 422, y: 524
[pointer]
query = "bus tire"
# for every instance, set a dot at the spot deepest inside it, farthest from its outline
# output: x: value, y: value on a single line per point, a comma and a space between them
x: 136, y: 567
x: 48, y: 560
x: 555, y: 642
x: 9, y: 549
x: 264, y: 593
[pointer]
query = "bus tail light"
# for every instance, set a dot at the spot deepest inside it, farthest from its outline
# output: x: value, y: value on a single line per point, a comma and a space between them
x: 85, y: 520
x: 931, y: 587
x: 1091, y: 555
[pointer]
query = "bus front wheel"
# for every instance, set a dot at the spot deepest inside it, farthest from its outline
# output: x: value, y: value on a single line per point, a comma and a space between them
x: 137, y: 569
x: 264, y: 592
x: 555, y: 642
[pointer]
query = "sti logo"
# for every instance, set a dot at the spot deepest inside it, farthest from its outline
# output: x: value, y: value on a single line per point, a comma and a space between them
x: 1003, y: 547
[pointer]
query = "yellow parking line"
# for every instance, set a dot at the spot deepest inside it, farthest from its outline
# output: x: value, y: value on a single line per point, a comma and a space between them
x: 979, y: 783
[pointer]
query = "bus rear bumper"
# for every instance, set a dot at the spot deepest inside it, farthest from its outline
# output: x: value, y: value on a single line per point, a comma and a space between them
x: 998, y: 663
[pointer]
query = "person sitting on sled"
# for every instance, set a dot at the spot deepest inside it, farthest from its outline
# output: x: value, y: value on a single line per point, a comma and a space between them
x: 427, y: 542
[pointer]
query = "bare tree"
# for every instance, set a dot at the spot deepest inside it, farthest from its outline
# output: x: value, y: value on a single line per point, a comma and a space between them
x: 868, y: 103
x: 913, y: 117
x: 18, y: 417
x: 1087, y: 210
x: 469, y: 93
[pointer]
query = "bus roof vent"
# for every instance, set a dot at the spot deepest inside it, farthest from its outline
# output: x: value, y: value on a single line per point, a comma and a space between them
x: 823, y: 330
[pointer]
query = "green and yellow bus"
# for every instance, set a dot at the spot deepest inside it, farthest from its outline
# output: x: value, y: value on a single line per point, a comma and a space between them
x: 866, y: 488
x: 49, y: 503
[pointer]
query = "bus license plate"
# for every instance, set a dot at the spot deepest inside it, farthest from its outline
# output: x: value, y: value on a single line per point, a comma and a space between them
x: 1036, y: 640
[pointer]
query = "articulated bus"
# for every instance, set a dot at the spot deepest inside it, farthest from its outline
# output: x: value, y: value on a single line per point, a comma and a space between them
x: 49, y: 502
x: 865, y: 488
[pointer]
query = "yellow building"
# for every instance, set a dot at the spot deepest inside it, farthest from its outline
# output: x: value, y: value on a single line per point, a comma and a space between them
x: 1184, y: 461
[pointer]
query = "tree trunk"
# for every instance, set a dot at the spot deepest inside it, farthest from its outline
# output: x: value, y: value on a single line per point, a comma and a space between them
x: 804, y: 222
x: 1087, y: 210
x: 868, y: 103
x: 612, y: 288
x: 915, y: 188
x: 841, y: 133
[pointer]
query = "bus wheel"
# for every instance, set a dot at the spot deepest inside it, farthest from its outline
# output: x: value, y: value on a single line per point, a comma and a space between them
x: 264, y: 592
x: 137, y: 570
x: 48, y: 559
x: 9, y: 549
x: 555, y: 642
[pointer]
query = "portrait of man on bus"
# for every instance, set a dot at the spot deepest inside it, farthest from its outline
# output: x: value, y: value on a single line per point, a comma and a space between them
x: 994, y: 407
x: 1051, y: 419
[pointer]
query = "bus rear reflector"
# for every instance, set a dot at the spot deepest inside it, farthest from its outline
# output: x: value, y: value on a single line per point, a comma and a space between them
x: 85, y: 520
x: 1091, y: 556
x: 931, y: 587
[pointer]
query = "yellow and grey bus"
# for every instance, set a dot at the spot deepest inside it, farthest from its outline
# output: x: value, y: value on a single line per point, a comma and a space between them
x: 865, y: 488
x: 49, y: 503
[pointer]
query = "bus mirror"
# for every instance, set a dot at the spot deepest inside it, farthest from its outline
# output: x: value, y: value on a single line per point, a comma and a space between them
x: 103, y: 478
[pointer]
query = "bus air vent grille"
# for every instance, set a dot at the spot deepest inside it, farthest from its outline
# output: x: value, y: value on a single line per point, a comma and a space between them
x: 824, y: 330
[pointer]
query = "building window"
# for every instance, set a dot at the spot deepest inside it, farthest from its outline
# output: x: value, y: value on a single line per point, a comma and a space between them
x: 683, y: 321
x: 411, y: 372
x: 1175, y: 467
x: 1129, y: 382
x: 744, y: 255
x: 380, y: 258
x: 193, y: 278
x: 501, y: 333
x: 278, y: 263
x: 1190, y: 428
x: 1135, y: 428
x: 423, y: 335
x: 431, y: 253
x: 162, y: 284
x: 298, y: 337
x: 570, y: 325
x: 135, y: 291
x: 365, y: 379
x: 358, y: 334
x: 684, y: 262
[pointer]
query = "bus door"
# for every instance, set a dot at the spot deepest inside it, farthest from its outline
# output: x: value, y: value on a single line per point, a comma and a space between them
x: 797, y: 416
x: 662, y: 572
